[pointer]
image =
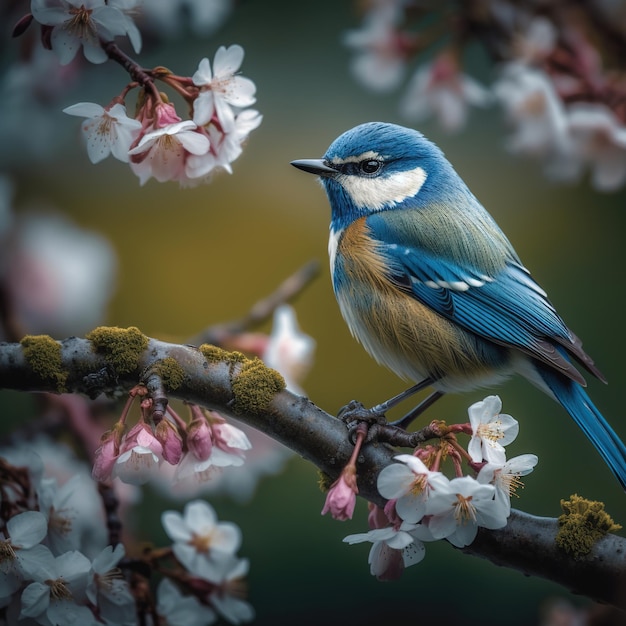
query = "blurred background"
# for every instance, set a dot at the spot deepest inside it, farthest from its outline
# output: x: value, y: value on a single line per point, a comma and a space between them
x: 188, y: 258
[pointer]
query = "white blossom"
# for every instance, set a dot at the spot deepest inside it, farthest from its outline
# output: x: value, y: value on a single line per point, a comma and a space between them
x: 491, y: 430
x: 227, y: 596
x: 410, y: 483
x: 108, y: 590
x: 221, y: 89
x: 535, y: 112
x: 464, y: 505
x: 58, y: 589
x: 393, y: 548
x: 380, y: 59
x: 179, y: 610
x: 56, y: 503
x: 201, y: 543
x: 77, y: 23
x: 289, y: 350
x: 440, y: 89
x: 106, y: 131
x: 20, y: 548
x: 506, y: 478
x: 599, y: 140
x: 60, y: 277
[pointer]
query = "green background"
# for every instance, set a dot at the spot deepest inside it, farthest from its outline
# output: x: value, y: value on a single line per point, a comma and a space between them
x: 193, y: 257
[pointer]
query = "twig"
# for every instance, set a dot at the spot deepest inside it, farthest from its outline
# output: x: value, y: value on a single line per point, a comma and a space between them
x: 213, y: 378
x: 291, y: 287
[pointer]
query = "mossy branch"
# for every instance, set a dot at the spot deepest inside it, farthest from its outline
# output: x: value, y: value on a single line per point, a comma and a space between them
x: 112, y: 361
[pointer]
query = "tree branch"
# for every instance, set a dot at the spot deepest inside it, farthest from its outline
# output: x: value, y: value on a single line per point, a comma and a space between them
x: 112, y: 361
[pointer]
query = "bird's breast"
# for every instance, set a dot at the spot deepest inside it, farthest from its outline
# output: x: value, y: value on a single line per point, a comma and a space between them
x: 398, y: 330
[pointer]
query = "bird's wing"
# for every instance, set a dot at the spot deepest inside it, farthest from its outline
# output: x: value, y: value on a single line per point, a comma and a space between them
x: 507, y: 307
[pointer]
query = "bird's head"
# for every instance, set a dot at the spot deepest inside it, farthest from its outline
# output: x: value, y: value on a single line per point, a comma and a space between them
x: 379, y: 166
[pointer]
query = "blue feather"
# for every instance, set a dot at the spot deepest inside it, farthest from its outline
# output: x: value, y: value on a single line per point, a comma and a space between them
x: 578, y: 404
x: 507, y: 308
x: 433, y: 287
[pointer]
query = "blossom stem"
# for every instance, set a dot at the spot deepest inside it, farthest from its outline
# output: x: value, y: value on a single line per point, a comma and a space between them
x: 137, y: 73
x: 127, y: 405
x: 361, y: 434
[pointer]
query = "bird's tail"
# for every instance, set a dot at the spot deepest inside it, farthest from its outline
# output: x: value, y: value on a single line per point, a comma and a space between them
x: 578, y: 404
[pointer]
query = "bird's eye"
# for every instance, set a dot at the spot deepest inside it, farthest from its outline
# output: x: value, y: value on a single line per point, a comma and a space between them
x: 370, y: 166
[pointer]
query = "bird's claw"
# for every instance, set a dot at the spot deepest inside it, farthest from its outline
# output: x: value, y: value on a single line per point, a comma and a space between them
x: 355, y: 413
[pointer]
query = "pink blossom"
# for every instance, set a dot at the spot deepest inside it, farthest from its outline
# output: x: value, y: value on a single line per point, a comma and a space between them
x: 222, y: 89
x: 381, y: 48
x: 140, y: 454
x: 163, y: 153
x: 199, y: 440
x: 441, y: 89
x: 171, y: 441
x: 108, y: 452
x: 166, y: 114
x: 341, y: 497
x: 220, y: 443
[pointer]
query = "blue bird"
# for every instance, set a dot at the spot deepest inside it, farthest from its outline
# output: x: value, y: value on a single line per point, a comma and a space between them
x: 433, y: 289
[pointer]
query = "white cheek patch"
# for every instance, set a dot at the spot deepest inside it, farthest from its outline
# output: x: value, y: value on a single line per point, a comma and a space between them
x: 382, y: 191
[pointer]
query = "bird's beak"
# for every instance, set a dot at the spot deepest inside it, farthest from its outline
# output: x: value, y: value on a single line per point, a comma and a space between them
x: 315, y: 166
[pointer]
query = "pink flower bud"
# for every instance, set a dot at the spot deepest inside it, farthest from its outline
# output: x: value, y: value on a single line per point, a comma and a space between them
x: 199, y: 440
x: 140, y: 435
x: 168, y: 437
x: 106, y: 455
x: 341, y: 497
x: 166, y: 114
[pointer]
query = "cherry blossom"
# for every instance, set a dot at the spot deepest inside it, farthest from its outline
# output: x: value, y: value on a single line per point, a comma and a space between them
x: 491, y: 430
x: 534, y: 110
x: 58, y: 589
x: 60, y: 277
x: 163, y: 153
x: 214, y: 444
x: 410, y: 483
x: 341, y: 497
x: 599, y: 140
x: 106, y: 131
x: 19, y: 547
x: 140, y: 454
x: 457, y: 511
x: 201, y: 543
x: 181, y: 610
x: 85, y: 23
x: 441, y: 89
x: 381, y: 51
x: 108, y: 590
x: 506, y: 478
x: 56, y: 504
x: 289, y: 350
x: 227, y: 597
x: 226, y: 147
x: 393, y: 548
x: 222, y: 89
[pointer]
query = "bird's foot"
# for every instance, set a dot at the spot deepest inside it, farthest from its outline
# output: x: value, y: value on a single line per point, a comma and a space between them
x: 355, y: 413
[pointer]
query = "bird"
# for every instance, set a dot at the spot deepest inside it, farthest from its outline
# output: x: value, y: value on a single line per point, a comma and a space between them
x: 431, y: 286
